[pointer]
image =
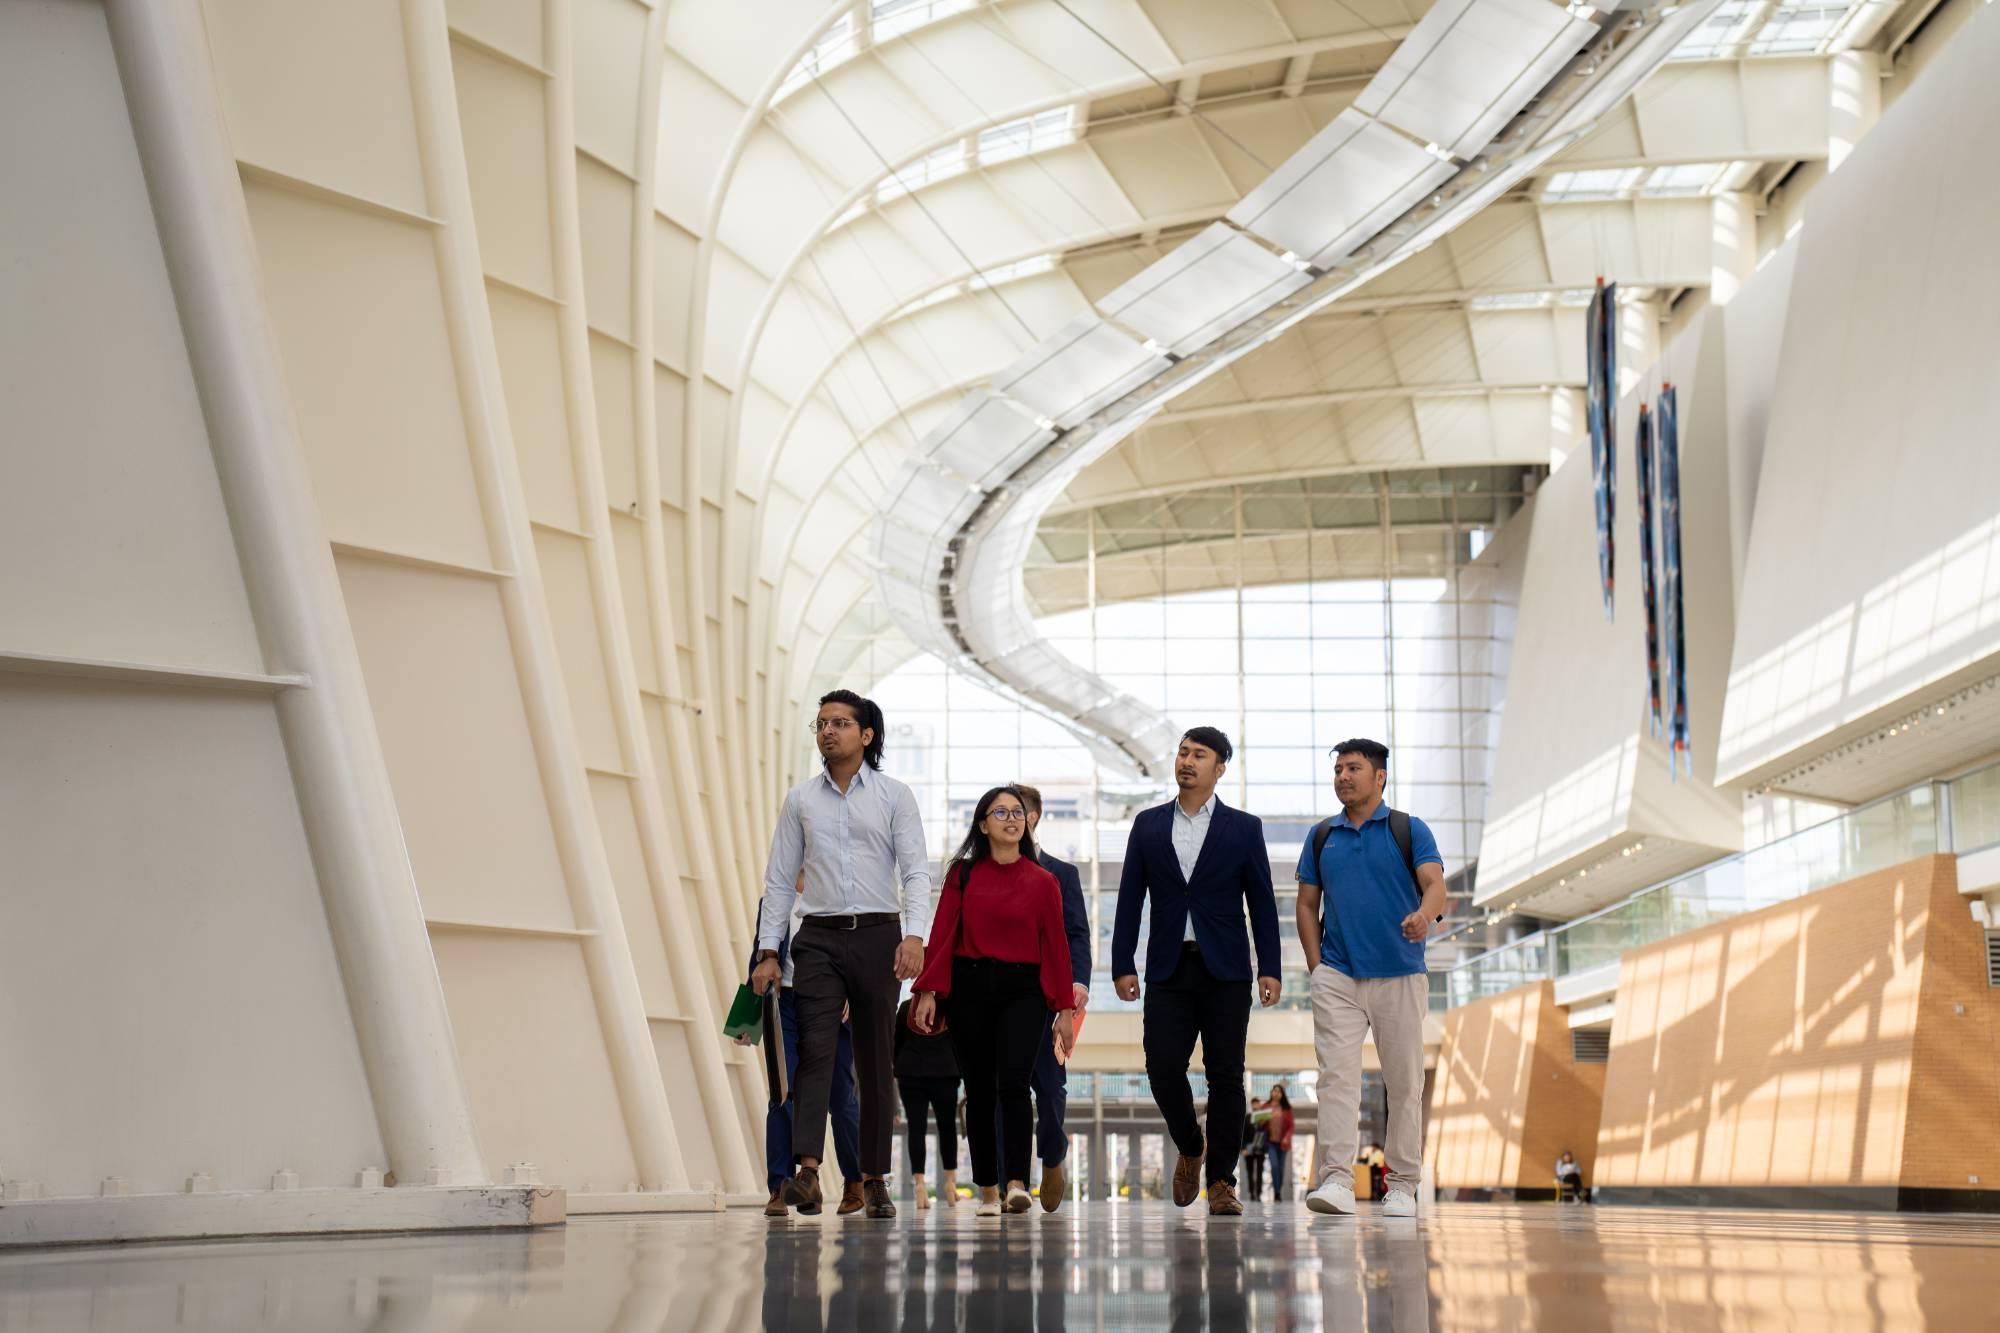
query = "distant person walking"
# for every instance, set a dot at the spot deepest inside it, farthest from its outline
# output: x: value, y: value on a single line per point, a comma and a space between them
x: 927, y: 1078
x: 855, y: 833
x: 999, y: 966
x: 1278, y: 1140
x: 1371, y: 882
x: 1201, y: 865
x: 1256, y: 1149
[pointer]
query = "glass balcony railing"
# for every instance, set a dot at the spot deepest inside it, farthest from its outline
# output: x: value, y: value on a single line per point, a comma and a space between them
x: 1963, y: 815
x: 1870, y: 837
x: 1975, y: 810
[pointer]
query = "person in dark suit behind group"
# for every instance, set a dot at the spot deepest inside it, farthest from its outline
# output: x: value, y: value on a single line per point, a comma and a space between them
x: 1202, y: 864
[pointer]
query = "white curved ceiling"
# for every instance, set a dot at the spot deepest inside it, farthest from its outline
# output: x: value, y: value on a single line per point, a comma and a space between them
x: 828, y: 363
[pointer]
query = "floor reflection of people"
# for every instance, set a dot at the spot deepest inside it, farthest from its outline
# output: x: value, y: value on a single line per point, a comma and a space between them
x: 792, y: 1301
x: 1378, y: 1278
x: 1206, y: 1279
x: 1001, y: 1295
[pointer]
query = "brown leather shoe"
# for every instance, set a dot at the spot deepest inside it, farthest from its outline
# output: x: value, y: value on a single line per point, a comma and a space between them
x: 1222, y: 1200
x: 879, y: 1202
x: 850, y: 1199
x: 802, y: 1191
x: 1055, y: 1184
x: 1187, y: 1180
x: 775, y: 1205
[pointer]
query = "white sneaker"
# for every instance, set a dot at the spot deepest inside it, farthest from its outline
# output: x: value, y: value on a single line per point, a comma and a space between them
x: 1396, y: 1203
x: 989, y: 1202
x: 1332, y: 1197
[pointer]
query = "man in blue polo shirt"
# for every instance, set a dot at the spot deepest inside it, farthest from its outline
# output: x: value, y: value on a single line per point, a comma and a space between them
x: 1365, y: 954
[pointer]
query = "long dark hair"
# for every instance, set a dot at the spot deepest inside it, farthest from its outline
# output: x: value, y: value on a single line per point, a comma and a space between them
x: 1278, y: 1094
x: 977, y: 846
x: 868, y: 715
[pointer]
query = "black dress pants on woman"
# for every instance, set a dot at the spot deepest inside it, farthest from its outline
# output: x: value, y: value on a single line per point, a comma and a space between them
x: 923, y: 1097
x: 998, y: 1021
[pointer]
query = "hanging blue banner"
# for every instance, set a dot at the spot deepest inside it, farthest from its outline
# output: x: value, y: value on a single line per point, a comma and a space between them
x: 1648, y: 586
x: 1670, y: 541
x: 1601, y: 415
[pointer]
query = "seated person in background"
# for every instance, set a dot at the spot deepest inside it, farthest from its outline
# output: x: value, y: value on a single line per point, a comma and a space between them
x: 1569, y: 1178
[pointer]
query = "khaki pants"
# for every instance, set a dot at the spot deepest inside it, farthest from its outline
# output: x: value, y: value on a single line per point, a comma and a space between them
x: 1344, y: 1009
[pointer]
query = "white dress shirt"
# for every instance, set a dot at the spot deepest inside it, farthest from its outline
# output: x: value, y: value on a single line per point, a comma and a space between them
x: 1190, y: 832
x: 862, y: 850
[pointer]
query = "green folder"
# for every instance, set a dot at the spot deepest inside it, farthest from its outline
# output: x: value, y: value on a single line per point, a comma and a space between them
x: 746, y: 1016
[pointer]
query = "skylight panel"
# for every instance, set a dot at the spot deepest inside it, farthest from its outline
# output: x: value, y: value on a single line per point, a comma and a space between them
x: 942, y: 164
x: 1797, y: 29
x: 1596, y: 183
x: 1719, y: 32
x: 1513, y: 301
x: 892, y: 18
x: 1688, y: 178
x: 838, y: 43
x: 1014, y: 272
x: 928, y: 299
x: 1030, y: 134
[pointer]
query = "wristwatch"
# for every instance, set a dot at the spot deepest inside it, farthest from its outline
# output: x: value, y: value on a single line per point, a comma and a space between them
x: 763, y: 954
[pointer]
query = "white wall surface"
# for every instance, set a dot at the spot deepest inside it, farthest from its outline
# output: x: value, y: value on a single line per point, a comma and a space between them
x: 1578, y: 773
x: 1873, y: 566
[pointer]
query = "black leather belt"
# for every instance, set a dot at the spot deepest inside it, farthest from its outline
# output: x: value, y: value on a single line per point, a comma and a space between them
x: 851, y: 920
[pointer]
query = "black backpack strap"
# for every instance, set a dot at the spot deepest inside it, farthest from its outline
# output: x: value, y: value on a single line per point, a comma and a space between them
x: 1320, y: 835
x: 1399, y: 829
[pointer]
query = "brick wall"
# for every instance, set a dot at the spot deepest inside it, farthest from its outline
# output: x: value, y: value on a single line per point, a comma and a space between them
x: 1509, y: 1097
x: 1814, y: 1043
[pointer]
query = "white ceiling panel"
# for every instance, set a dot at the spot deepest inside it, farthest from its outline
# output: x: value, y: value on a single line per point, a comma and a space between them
x: 1470, y: 66
x: 985, y: 438
x: 1084, y: 366
x: 1209, y: 285
x: 1348, y: 182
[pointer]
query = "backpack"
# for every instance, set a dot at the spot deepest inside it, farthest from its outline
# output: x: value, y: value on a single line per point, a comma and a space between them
x: 1399, y: 829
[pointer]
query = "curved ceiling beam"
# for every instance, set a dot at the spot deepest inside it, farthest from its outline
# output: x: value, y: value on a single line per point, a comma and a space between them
x: 1354, y: 202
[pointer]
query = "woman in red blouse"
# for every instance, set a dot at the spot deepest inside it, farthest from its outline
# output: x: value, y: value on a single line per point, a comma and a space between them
x: 998, y: 964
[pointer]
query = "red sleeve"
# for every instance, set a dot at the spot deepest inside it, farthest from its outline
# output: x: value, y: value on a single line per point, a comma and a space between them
x: 1054, y: 942
x: 936, y: 975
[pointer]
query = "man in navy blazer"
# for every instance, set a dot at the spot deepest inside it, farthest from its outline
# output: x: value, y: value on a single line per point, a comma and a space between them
x: 1051, y: 1077
x: 1202, y: 864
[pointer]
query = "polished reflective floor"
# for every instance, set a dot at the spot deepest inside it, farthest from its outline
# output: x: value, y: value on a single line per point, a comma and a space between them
x: 1103, y: 1266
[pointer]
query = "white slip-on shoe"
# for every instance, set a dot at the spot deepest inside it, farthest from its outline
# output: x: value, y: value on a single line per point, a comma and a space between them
x: 989, y: 1202
x: 1332, y: 1197
x: 1398, y: 1203
x: 1018, y: 1199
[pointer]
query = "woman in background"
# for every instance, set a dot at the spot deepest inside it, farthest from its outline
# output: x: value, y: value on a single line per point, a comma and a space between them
x: 997, y: 965
x: 927, y: 1078
x: 1278, y: 1134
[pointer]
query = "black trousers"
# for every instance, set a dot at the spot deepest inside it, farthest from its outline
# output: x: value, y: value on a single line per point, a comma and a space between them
x: 997, y: 1017
x: 936, y: 1097
x: 1190, y: 1005
x: 855, y: 969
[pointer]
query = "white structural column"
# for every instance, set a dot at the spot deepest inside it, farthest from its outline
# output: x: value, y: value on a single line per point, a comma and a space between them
x: 1854, y: 91
x: 330, y: 740
x: 1735, y: 253
x: 607, y: 956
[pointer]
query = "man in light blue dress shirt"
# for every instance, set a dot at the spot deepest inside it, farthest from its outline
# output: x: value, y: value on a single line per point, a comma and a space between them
x: 856, y: 834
